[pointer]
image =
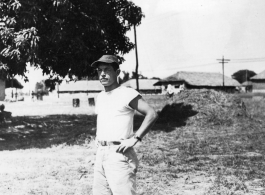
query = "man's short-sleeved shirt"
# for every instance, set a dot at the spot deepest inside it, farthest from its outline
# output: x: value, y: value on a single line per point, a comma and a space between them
x: 115, y: 116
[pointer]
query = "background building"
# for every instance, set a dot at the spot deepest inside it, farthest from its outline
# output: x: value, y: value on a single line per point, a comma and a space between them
x: 200, y: 80
x: 83, y: 86
x: 258, y: 82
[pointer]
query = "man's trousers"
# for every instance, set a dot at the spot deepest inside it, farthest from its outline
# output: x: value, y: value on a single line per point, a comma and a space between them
x: 115, y: 173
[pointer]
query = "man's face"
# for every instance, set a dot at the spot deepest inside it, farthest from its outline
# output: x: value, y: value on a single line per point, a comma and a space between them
x: 107, y: 75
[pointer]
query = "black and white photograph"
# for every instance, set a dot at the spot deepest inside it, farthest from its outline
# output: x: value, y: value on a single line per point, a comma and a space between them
x: 132, y: 97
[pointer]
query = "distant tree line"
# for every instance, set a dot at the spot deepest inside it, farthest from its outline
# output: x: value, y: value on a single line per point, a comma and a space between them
x: 127, y: 77
x: 41, y: 88
x: 243, y: 75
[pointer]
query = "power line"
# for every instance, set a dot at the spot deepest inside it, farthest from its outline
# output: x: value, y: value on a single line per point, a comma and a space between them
x: 209, y: 64
x: 232, y: 61
x: 176, y: 68
x: 248, y: 59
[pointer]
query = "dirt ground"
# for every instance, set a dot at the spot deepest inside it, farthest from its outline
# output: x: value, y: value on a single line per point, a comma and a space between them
x: 56, y: 170
x: 48, y: 149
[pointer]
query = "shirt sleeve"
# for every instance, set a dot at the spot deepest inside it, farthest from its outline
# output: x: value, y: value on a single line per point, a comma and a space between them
x: 130, y: 94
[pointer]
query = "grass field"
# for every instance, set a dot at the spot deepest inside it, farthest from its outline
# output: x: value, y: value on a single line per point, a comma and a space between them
x: 48, y: 149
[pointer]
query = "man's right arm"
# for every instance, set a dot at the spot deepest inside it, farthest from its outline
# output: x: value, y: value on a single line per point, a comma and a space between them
x: 151, y: 116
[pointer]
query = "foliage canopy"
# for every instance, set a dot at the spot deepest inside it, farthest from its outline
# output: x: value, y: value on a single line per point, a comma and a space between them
x: 63, y: 37
x: 243, y: 75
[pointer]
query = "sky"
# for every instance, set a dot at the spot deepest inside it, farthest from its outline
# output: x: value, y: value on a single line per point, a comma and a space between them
x: 190, y: 35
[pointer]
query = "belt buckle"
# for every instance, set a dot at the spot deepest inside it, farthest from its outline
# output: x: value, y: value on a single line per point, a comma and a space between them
x: 106, y: 143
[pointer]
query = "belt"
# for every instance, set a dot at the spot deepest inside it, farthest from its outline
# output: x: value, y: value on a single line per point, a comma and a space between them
x: 107, y: 143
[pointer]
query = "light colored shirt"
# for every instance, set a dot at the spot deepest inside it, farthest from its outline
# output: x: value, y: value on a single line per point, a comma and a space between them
x: 115, y: 116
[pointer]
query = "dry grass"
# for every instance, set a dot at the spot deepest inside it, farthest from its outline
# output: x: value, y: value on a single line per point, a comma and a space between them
x: 231, y: 155
x: 177, y: 156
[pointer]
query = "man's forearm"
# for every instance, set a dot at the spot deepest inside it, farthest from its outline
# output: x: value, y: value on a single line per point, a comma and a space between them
x: 148, y: 122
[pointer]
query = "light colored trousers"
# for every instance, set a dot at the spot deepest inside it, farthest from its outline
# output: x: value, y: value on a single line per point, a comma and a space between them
x: 115, y: 173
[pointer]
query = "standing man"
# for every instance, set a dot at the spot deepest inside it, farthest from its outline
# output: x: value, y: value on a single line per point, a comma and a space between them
x: 116, y: 162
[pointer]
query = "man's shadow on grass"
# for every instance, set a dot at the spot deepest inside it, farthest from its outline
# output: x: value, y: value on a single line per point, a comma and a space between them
x: 171, y: 116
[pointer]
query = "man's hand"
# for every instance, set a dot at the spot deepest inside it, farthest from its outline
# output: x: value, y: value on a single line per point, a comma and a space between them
x: 125, y: 144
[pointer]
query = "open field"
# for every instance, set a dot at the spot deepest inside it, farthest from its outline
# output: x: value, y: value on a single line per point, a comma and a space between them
x: 51, y: 105
x: 48, y: 149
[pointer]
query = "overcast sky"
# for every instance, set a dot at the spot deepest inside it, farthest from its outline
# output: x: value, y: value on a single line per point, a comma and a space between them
x: 189, y: 35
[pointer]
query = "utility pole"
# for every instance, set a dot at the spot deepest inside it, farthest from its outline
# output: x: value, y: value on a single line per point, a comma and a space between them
x: 58, y: 90
x: 223, y: 61
x: 136, y: 54
x: 12, y: 80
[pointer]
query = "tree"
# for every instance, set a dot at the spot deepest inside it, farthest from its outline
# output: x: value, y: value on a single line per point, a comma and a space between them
x: 63, y: 37
x: 140, y: 76
x: 243, y: 75
x: 156, y: 78
x: 40, y: 88
x: 50, y: 84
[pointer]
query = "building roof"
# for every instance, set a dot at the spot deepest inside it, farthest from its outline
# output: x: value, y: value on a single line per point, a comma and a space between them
x: 200, y: 79
x: 13, y: 83
x: 259, y: 76
x: 144, y: 84
x: 92, y: 85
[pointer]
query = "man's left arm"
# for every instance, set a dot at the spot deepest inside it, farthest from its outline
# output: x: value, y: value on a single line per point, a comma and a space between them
x: 150, y: 114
